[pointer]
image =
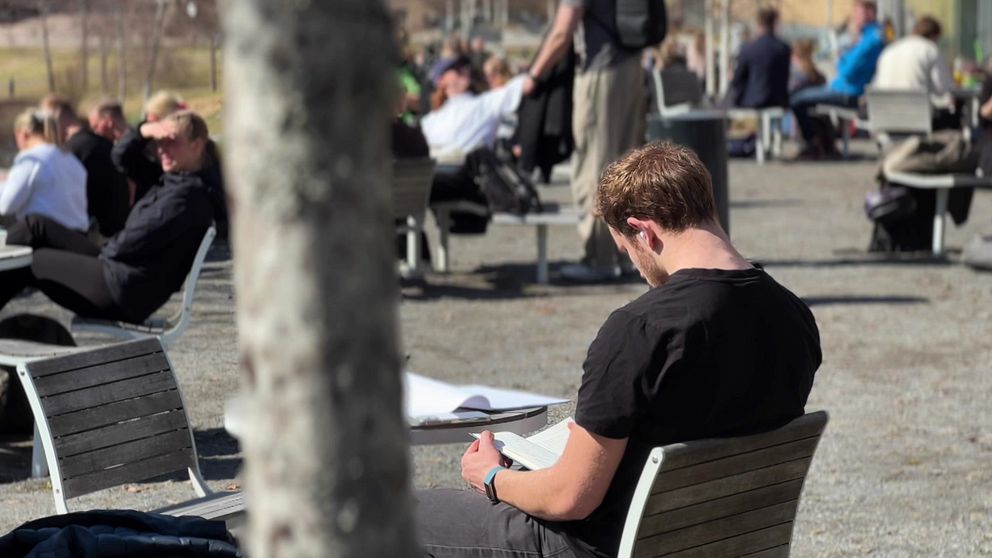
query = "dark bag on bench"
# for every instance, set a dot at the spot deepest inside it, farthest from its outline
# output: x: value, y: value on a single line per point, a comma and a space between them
x: 505, y: 188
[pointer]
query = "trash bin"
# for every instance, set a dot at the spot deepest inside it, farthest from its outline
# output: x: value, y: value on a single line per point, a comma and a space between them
x: 705, y: 132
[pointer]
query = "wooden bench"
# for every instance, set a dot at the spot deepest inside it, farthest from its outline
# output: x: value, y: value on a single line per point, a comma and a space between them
x: 551, y: 214
x: 169, y: 330
x: 113, y: 416
x: 412, y: 180
x: 722, y: 497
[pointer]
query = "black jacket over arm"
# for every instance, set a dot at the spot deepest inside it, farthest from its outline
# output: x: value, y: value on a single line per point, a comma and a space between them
x: 149, y: 259
x: 130, y: 156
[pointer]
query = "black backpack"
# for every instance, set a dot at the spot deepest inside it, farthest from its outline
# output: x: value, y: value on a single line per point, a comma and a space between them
x: 639, y: 23
x: 504, y: 186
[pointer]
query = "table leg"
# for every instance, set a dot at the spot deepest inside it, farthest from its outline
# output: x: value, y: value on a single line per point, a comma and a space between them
x: 938, y: 221
x: 444, y: 224
x: 413, y: 255
x: 39, y: 465
x: 542, y: 254
x: 845, y: 135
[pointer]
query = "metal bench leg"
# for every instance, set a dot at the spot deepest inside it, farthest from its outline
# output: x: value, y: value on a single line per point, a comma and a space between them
x: 413, y: 255
x: 444, y: 224
x: 542, y: 254
x: 777, y: 138
x: 938, y: 221
x: 39, y: 465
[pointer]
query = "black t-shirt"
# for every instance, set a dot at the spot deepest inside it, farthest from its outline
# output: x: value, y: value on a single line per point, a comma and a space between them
x: 107, y: 196
x: 710, y: 353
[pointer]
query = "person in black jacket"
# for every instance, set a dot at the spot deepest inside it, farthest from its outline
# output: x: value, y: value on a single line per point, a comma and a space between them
x: 762, y: 76
x: 137, y: 270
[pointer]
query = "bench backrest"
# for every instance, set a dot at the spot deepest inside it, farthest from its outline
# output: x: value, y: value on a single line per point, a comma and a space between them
x: 899, y: 111
x: 189, y: 288
x: 722, y: 497
x: 110, y: 416
x: 412, y: 180
x: 676, y: 91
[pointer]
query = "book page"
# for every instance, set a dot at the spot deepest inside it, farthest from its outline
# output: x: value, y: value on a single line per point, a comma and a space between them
x: 506, y: 399
x: 521, y: 451
x: 553, y: 438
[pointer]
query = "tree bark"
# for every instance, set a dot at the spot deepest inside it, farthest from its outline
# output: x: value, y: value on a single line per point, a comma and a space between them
x: 326, y: 443
x: 43, y: 10
x: 104, y: 54
x: 121, y: 10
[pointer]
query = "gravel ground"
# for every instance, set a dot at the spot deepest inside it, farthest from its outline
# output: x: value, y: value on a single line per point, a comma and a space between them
x: 903, y: 469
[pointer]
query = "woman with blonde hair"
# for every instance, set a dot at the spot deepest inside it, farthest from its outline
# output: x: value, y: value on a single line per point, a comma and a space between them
x: 804, y: 72
x: 44, y: 180
x: 137, y: 269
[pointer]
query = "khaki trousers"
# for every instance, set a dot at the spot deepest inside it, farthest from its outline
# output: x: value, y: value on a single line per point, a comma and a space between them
x: 608, y: 119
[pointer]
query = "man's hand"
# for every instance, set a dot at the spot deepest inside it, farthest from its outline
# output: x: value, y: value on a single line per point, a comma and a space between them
x: 159, y: 130
x: 529, y: 85
x: 479, y: 459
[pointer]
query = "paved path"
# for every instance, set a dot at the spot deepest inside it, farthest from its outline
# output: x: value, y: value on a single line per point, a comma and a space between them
x: 904, y: 468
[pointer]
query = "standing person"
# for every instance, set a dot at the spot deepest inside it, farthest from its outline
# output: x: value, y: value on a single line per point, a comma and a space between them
x: 44, y: 180
x: 715, y: 348
x: 761, y: 78
x: 608, y: 116
x: 136, y: 270
x: 914, y: 62
x: 108, y: 198
x: 855, y: 69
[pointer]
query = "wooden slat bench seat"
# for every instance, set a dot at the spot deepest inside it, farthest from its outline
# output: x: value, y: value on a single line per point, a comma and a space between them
x: 722, y: 497
x: 112, y: 416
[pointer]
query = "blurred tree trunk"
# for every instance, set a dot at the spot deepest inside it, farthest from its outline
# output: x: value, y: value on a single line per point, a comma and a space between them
x: 43, y: 10
x: 121, y: 13
x: 214, y: 45
x: 104, y: 54
x: 152, y: 52
x: 306, y: 121
x: 84, y: 50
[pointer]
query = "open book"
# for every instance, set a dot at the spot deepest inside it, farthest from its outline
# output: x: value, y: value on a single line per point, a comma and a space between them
x: 426, y: 399
x: 538, y: 451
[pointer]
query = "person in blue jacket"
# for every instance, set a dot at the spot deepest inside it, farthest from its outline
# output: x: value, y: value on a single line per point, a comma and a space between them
x: 855, y: 69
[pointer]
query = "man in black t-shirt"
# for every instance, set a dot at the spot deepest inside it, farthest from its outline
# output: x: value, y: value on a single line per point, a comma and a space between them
x: 715, y: 348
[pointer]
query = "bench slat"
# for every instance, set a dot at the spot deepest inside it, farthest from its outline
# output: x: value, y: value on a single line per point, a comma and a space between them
x: 96, y: 357
x: 777, y: 552
x: 765, y: 457
x: 749, y: 543
x: 120, y: 433
x: 109, y: 393
x: 55, y: 384
x: 214, y: 506
x: 128, y: 452
x: 132, y: 472
x: 727, y: 486
x: 682, y: 455
x: 720, y: 529
x: 105, y: 415
x: 722, y: 507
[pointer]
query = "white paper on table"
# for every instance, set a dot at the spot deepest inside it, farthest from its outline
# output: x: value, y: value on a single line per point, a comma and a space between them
x: 424, y: 396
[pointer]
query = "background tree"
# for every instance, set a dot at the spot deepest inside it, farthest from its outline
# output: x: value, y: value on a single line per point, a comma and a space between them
x: 326, y: 460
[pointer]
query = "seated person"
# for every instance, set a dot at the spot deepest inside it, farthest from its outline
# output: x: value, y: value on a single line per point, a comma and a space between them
x: 761, y: 78
x: 44, y: 180
x: 137, y: 269
x: 914, y: 62
x: 462, y: 122
x: 804, y: 73
x: 716, y: 347
x: 107, y: 194
x: 855, y: 69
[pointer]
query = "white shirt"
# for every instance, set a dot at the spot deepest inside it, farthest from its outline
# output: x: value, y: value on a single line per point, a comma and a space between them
x: 914, y: 62
x: 466, y: 122
x: 46, y: 181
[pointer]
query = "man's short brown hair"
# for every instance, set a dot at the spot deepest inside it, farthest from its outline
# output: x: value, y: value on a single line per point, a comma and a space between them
x: 927, y: 27
x: 768, y: 18
x: 662, y: 182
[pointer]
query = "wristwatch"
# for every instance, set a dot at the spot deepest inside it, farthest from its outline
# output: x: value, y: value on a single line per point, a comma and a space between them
x: 490, y: 484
